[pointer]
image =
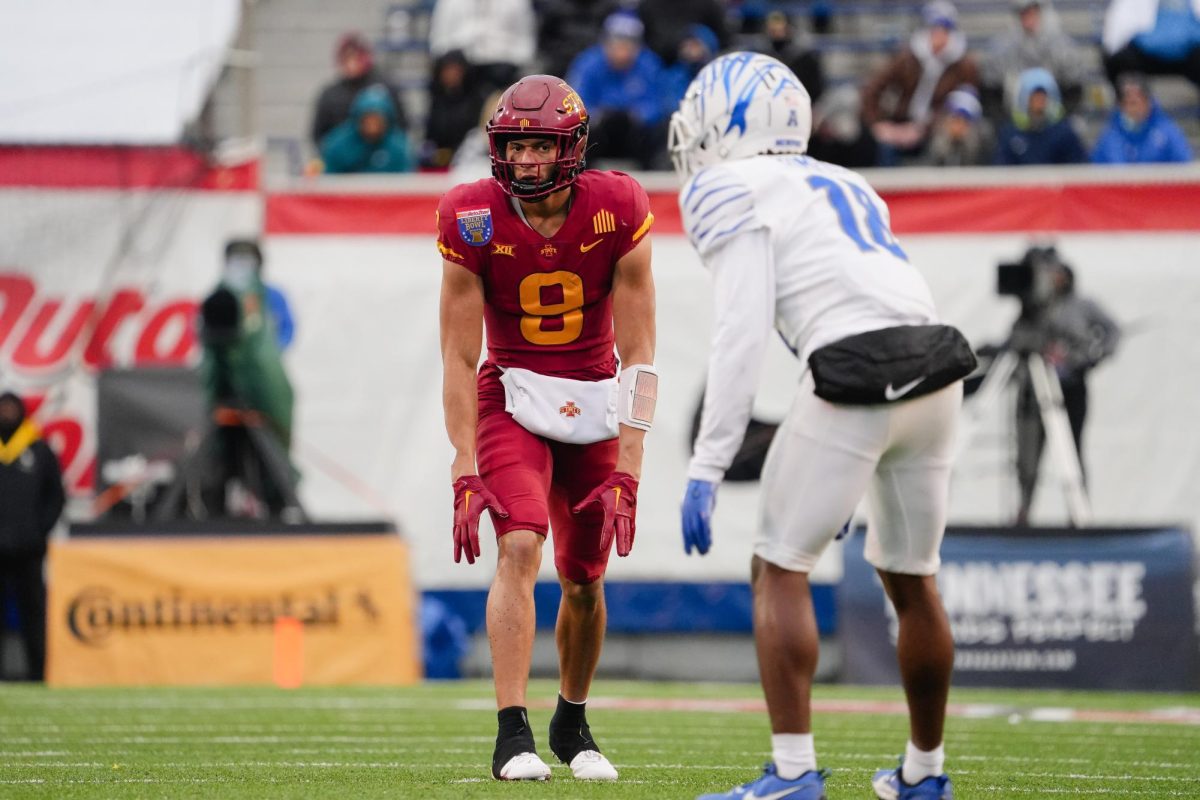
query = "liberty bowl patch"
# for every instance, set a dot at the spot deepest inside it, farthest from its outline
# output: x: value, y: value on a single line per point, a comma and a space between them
x: 475, y: 225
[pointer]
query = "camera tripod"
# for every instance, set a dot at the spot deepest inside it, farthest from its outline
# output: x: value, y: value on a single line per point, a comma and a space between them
x: 1048, y: 394
x: 236, y: 444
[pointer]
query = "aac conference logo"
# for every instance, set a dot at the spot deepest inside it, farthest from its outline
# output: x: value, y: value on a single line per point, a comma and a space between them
x: 96, y: 614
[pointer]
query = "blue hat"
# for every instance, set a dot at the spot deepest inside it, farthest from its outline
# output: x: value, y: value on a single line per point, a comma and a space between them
x: 965, y: 103
x: 940, y: 13
x: 623, y: 25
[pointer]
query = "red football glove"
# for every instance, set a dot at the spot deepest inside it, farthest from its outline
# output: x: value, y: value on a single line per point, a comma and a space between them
x: 618, y: 497
x: 471, y: 497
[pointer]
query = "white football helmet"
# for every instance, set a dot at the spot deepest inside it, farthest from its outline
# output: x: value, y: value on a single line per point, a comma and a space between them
x: 740, y: 105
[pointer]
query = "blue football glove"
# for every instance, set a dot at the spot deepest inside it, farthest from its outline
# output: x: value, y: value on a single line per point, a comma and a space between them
x: 698, y: 503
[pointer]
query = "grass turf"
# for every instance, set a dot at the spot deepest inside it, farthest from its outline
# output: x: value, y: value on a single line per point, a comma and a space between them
x: 435, y: 741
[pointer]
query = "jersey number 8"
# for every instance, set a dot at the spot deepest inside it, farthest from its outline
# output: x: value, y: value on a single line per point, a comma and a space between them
x: 538, y: 312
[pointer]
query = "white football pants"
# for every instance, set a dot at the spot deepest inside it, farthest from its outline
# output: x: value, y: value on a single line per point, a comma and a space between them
x: 825, y: 456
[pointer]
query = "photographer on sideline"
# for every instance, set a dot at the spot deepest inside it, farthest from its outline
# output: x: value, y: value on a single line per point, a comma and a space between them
x: 1076, y: 336
x: 244, y: 381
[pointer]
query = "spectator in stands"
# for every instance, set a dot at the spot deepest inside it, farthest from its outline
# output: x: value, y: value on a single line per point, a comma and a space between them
x: 1035, y: 40
x: 369, y: 140
x: 1140, y: 132
x: 1039, y: 131
x: 900, y: 101
x: 783, y: 43
x: 31, y: 500
x: 356, y: 71
x: 668, y: 22
x: 453, y: 109
x: 961, y: 136
x: 839, y: 135
x: 621, y: 83
x: 697, y: 49
x: 497, y: 36
x: 1157, y: 37
x: 568, y: 27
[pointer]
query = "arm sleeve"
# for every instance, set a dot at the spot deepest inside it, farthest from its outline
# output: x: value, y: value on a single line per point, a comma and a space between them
x: 743, y: 315
x: 450, y: 243
x: 281, y: 314
x: 639, y: 218
x: 716, y: 205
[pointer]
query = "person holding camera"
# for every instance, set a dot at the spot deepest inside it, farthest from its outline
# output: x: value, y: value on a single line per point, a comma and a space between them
x: 1076, y: 336
x: 246, y: 385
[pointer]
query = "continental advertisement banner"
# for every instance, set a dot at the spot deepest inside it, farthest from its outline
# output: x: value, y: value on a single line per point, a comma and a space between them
x: 289, y: 610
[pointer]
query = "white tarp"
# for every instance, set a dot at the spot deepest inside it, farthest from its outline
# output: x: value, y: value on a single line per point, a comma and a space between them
x: 113, y: 72
x: 366, y: 367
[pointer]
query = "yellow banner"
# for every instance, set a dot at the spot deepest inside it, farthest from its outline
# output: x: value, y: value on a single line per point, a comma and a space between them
x: 291, y: 610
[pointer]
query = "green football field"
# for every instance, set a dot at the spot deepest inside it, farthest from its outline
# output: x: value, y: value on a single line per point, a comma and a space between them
x: 668, y: 740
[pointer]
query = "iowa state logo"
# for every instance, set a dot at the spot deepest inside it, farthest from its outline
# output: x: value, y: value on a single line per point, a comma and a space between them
x: 475, y: 225
x: 570, y: 410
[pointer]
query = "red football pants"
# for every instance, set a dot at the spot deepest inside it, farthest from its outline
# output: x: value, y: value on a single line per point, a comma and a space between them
x: 539, y: 481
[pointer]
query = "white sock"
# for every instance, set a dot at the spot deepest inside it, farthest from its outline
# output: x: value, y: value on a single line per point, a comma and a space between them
x: 793, y: 753
x: 919, y: 765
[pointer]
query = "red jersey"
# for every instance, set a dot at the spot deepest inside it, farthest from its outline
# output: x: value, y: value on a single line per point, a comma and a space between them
x: 548, y: 305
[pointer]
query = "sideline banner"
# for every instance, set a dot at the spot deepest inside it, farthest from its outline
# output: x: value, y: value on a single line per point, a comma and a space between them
x: 1071, y: 609
x: 144, y: 610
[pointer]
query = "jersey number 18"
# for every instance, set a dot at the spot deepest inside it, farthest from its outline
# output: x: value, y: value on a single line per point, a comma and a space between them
x: 882, y: 236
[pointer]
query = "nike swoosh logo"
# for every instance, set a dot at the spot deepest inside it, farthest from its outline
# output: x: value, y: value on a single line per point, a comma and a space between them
x: 895, y: 394
x: 583, y: 248
x: 617, y: 489
x: 772, y: 795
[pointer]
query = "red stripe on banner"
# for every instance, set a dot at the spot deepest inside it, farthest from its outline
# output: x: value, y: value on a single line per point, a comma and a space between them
x: 376, y: 214
x: 1005, y: 209
x: 1086, y: 207
x: 113, y: 167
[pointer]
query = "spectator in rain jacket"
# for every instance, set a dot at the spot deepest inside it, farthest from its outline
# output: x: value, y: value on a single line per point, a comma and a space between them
x: 1039, y: 132
x: 369, y: 140
x: 1140, y: 132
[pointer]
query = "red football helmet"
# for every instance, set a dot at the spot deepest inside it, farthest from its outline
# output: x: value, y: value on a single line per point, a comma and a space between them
x: 539, y: 106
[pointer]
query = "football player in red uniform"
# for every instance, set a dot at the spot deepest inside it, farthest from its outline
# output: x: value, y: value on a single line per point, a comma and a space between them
x: 555, y: 263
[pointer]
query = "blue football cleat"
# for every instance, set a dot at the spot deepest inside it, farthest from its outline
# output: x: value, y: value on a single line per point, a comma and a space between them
x: 809, y: 786
x: 890, y: 785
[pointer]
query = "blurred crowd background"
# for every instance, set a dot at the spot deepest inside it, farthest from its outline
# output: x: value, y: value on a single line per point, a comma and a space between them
x: 403, y: 86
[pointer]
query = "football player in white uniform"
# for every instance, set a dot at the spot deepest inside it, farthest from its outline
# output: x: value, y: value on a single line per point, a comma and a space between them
x: 806, y: 248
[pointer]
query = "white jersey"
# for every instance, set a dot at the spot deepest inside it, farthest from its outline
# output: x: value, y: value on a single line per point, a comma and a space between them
x: 801, y: 244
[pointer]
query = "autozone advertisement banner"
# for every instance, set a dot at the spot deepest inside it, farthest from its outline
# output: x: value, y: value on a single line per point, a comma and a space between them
x: 147, y: 610
x: 92, y: 277
x: 1091, y: 609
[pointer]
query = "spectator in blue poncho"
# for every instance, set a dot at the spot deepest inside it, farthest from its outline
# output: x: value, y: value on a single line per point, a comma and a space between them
x: 1140, y: 132
x: 369, y: 141
x: 1038, y: 132
x: 620, y: 83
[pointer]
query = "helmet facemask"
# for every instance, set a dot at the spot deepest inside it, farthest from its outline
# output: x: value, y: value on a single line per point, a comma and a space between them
x: 550, y: 176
